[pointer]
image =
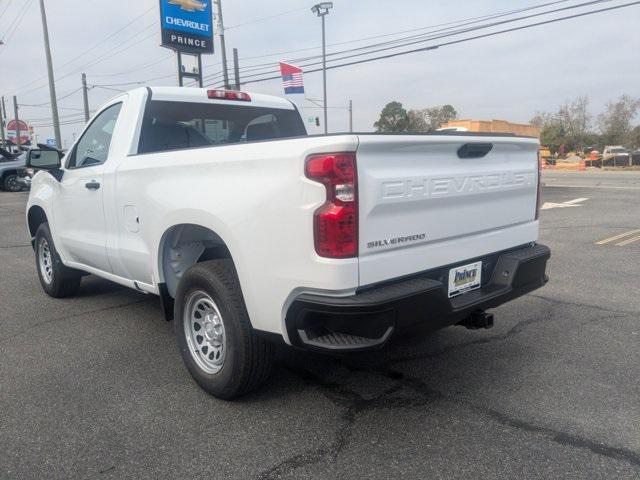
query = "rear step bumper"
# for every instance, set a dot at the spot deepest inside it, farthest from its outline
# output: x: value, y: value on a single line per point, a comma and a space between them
x: 367, y: 319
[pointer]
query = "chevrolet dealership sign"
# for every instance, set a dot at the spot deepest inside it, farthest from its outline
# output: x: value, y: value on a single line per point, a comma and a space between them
x: 187, y: 25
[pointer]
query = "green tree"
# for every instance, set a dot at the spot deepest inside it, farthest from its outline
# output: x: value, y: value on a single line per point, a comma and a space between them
x: 552, y: 131
x: 393, y: 119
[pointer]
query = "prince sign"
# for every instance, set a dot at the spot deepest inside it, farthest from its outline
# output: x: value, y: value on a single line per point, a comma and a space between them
x: 187, y: 25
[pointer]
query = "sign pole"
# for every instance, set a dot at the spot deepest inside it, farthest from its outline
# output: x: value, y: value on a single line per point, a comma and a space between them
x: 179, y: 59
x: 186, y: 27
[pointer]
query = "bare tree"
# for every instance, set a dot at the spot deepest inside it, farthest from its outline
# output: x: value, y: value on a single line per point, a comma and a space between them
x: 616, y: 122
x: 416, y: 122
x: 576, y: 120
x: 437, y: 116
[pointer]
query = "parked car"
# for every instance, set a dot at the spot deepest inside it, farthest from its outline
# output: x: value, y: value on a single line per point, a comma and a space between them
x: 252, y: 232
x: 615, y: 156
x: 9, y: 165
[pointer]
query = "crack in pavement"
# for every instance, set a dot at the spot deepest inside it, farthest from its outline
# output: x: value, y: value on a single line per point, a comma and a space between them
x: 353, y: 404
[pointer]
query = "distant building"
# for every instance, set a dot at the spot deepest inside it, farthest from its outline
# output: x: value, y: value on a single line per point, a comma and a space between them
x: 495, y: 126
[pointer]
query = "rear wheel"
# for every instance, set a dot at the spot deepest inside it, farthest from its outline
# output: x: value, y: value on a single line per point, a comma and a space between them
x: 10, y: 183
x: 57, y: 280
x: 214, y: 333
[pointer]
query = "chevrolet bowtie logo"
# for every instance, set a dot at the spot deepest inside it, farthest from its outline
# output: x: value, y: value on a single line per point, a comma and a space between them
x: 189, y: 5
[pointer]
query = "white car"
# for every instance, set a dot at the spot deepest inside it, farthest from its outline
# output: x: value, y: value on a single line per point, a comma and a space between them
x: 252, y: 232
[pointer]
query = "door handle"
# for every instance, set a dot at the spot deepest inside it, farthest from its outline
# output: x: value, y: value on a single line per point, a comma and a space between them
x: 93, y: 185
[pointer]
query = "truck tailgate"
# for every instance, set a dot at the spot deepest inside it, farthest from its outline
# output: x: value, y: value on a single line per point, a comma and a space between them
x: 424, y: 203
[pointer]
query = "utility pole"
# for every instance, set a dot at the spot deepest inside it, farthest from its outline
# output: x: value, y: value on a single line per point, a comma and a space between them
x: 85, y: 97
x: 3, y: 107
x: 236, y: 69
x: 322, y: 10
x: 17, y: 121
x: 350, y: 116
x: 52, y: 86
x: 2, y: 124
x: 223, y: 48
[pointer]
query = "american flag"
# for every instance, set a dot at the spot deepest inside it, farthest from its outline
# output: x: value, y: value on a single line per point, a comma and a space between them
x: 291, y: 78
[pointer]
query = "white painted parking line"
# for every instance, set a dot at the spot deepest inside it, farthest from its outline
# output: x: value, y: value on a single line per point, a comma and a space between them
x: 570, y: 203
x: 576, y: 200
x: 618, y: 237
x: 628, y: 241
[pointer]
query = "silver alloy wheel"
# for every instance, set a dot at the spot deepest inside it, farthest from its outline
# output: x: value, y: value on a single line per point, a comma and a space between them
x: 204, y: 331
x: 44, y: 260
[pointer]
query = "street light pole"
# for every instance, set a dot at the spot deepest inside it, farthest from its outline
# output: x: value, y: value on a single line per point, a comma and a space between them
x: 52, y: 86
x: 322, y: 10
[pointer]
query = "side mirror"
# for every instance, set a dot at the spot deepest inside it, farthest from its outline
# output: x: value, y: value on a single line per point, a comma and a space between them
x: 44, y: 159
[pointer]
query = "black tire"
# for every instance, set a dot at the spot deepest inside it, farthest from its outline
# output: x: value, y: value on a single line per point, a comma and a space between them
x: 63, y: 281
x: 9, y: 183
x: 247, y: 359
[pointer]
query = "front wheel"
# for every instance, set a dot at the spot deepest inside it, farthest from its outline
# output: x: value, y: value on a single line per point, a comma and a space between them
x: 10, y: 183
x: 57, y: 280
x: 214, y: 333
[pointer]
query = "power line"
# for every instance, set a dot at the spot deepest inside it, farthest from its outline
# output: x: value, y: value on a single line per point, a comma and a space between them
x: 256, y: 20
x: 422, y: 37
x: 443, y: 35
x: 480, y: 18
x: 4, y: 10
x: 89, y: 50
x: 45, y: 104
x: 463, y: 40
x: 15, y: 25
x: 141, y: 67
x: 100, y: 59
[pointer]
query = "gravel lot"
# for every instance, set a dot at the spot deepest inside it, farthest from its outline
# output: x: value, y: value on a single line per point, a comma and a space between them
x: 93, y: 386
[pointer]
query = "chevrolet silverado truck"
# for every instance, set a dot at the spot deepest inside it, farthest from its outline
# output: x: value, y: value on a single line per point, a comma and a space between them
x: 252, y: 232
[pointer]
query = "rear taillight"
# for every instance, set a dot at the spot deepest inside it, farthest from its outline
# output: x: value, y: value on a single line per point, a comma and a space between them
x: 229, y: 95
x: 335, y: 223
x: 539, y: 191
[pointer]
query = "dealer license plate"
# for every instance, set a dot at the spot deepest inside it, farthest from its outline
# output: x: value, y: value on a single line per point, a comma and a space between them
x: 465, y: 278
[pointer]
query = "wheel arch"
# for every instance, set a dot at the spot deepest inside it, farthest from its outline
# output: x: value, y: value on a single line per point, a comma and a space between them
x: 182, y: 246
x: 36, y: 216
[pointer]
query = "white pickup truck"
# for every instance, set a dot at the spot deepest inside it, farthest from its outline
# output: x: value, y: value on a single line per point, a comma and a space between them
x: 252, y: 231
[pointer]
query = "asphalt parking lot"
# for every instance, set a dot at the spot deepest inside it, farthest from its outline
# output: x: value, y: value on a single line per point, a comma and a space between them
x: 93, y: 386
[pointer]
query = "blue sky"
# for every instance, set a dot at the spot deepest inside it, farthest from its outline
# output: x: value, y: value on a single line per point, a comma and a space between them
x: 507, y: 77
